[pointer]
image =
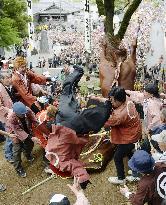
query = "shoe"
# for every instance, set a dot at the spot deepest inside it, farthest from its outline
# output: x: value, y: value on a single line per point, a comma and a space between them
x: 30, y: 159
x: 132, y: 179
x: 115, y: 180
x: 48, y: 170
x: 2, y: 187
x: 21, y: 173
x: 10, y: 160
x: 130, y: 172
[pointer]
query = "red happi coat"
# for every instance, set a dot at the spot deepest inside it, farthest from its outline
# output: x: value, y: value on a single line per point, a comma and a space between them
x: 63, y: 150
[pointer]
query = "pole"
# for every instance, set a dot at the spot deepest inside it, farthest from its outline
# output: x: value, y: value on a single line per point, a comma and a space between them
x: 5, y: 133
x: 60, y: 10
x: 40, y: 183
x: 87, y: 27
x: 30, y: 28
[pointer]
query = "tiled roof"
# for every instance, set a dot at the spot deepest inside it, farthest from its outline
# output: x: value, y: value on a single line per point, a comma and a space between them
x: 45, y: 6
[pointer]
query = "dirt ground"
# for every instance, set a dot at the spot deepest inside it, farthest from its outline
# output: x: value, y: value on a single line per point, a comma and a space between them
x: 100, y: 192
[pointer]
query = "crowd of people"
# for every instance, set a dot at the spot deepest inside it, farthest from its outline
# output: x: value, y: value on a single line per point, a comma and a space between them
x: 19, y: 109
x: 141, y: 137
x: 72, y: 48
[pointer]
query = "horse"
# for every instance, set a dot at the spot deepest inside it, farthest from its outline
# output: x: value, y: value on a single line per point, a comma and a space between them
x: 115, y: 68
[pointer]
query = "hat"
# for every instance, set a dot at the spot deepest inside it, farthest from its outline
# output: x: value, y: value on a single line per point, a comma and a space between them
x: 59, y: 199
x: 141, y: 162
x: 19, y: 108
x: 160, y: 137
x: 153, y: 89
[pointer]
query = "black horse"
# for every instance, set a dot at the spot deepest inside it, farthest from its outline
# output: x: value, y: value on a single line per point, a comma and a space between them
x: 70, y: 114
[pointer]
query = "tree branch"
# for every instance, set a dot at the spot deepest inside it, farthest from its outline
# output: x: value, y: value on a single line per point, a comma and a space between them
x: 109, y: 12
x: 132, y: 8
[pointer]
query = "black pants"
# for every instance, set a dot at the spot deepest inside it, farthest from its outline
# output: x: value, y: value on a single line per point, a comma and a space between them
x: 26, y: 146
x: 45, y: 160
x: 122, y: 151
x: 2, y: 138
x: 156, y: 146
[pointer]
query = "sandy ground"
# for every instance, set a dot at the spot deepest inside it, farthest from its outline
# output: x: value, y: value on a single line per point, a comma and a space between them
x: 100, y: 192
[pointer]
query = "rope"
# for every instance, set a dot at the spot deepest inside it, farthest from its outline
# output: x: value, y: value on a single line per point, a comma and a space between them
x: 117, y: 73
x: 96, y: 145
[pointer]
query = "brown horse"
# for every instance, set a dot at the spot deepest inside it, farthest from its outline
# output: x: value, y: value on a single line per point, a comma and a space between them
x: 115, y: 67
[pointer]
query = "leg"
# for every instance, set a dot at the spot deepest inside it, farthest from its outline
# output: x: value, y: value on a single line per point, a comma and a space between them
x: 77, y: 170
x: 28, y: 145
x: 156, y: 146
x: 8, y: 149
x: 121, y: 152
x: 17, y: 149
x: 2, y: 138
x: 45, y: 160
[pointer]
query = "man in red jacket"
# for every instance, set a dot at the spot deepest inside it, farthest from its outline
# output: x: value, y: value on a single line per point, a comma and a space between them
x: 125, y: 130
x: 22, y: 80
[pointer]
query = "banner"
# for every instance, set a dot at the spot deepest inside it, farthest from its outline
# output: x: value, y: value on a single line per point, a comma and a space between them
x: 87, y: 27
x: 30, y: 26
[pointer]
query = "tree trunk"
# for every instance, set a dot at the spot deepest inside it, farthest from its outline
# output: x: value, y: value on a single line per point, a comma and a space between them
x: 132, y: 8
x: 100, y: 6
x: 109, y: 12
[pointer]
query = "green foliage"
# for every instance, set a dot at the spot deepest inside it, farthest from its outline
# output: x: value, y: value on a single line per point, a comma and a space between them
x: 121, y: 4
x: 83, y: 89
x: 13, y: 22
x: 8, y: 34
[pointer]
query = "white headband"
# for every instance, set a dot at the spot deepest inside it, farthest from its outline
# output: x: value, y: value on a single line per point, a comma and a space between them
x: 57, y: 198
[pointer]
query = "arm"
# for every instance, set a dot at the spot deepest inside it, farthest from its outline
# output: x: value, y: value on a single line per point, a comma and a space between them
x: 12, y: 127
x: 37, y: 89
x: 81, y: 199
x: 32, y: 117
x: 5, y: 102
x: 3, y: 110
x: 161, y: 135
x: 23, y: 92
x: 76, y: 189
x: 115, y: 119
x: 153, y: 114
x: 78, y: 140
x: 138, y: 198
x: 37, y: 79
x: 135, y: 96
x: 133, y: 50
x: 100, y: 99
